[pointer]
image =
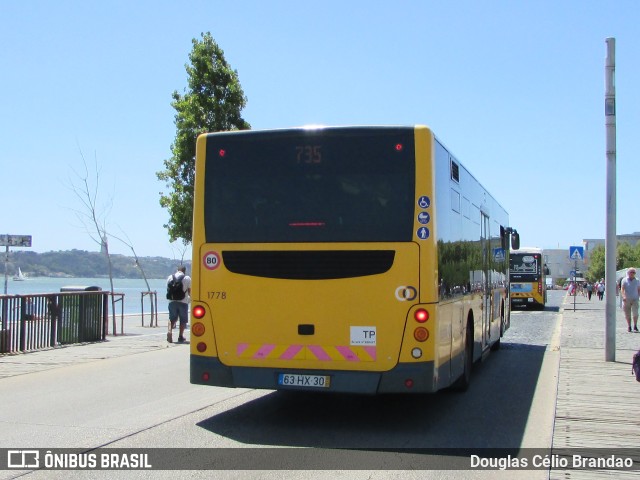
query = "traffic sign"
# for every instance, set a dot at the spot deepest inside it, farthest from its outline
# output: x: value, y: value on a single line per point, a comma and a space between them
x: 15, y: 240
x: 576, y: 253
x: 211, y: 260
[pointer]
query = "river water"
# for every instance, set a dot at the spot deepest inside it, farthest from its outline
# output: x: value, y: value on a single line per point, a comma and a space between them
x: 132, y: 289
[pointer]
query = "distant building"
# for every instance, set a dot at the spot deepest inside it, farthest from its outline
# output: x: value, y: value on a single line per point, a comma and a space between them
x: 561, y: 266
x: 591, y: 243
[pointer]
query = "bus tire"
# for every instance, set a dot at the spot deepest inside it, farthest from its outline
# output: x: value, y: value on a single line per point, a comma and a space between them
x: 496, y: 345
x: 462, y: 383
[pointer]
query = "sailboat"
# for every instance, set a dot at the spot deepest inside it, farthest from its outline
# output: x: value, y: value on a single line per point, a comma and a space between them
x: 20, y: 276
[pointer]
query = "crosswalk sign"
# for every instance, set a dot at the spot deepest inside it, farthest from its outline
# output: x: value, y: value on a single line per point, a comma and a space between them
x: 576, y: 253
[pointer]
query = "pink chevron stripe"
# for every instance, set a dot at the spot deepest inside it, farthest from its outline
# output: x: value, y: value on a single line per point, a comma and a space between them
x: 319, y: 353
x: 241, y: 348
x: 371, y: 351
x: 291, y: 352
x: 264, y: 351
x: 347, y: 353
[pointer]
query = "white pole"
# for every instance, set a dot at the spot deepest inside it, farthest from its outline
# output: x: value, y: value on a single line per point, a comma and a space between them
x: 6, y: 273
x: 610, y: 240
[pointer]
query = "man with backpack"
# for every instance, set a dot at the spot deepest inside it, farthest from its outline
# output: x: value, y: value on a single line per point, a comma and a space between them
x: 178, y: 293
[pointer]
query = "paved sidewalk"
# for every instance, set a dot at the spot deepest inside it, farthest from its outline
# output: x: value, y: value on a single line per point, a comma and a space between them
x: 136, y: 339
x: 597, y: 403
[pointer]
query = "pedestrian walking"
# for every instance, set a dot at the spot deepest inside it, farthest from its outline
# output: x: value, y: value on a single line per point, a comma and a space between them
x: 178, y: 292
x: 589, y: 290
x: 630, y: 290
x: 601, y: 289
x: 618, y: 288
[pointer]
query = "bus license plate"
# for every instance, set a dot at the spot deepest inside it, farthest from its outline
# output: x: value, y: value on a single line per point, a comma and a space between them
x: 298, y: 380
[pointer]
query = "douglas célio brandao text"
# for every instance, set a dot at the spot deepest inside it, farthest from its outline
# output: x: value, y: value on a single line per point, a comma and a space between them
x: 551, y: 461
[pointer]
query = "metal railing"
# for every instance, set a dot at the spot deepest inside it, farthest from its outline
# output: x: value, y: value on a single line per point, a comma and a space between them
x: 153, y: 303
x: 36, y: 321
x: 118, y: 298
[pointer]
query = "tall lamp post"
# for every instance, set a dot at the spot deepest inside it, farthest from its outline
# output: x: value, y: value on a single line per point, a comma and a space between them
x: 610, y: 240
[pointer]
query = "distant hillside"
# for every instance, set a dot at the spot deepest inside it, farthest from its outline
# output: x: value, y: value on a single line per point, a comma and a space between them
x: 79, y: 263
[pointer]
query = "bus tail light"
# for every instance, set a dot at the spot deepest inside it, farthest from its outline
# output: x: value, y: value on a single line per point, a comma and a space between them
x: 199, y: 311
x: 421, y: 334
x: 198, y: 329
x: 421, y: 315
x: 201, y: 347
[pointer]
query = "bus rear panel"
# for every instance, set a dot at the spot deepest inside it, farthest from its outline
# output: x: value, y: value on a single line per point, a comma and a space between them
x: 528, y: 283
x: 315, y: 264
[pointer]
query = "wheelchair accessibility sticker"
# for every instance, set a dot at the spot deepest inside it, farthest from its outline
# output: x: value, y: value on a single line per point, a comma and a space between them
x: 424, y: 201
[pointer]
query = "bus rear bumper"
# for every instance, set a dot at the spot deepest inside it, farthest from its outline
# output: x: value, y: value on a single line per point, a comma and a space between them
x: 529, y: 302
x: 404, y: 378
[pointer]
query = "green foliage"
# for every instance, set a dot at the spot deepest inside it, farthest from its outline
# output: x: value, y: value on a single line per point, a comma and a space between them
x: 596, y: 264
x: 626, y: 256
x: 212, y: 103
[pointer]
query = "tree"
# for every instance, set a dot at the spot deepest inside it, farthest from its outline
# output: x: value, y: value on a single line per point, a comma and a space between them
x: 626, y: 256
x: 596, y: 264
x: 94, y: 217
x: 212, y: 102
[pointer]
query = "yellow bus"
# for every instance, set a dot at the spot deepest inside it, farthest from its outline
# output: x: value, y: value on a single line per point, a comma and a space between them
x: 343, y: 259
x: 527, y: 272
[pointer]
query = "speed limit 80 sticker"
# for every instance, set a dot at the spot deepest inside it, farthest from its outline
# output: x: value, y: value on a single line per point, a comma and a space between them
x: 211, y: 260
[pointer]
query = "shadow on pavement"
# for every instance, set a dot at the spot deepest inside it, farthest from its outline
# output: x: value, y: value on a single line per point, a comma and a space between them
x: 492, y: 414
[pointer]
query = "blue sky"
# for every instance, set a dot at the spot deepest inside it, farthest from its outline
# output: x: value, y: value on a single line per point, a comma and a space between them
x: 514, y: 88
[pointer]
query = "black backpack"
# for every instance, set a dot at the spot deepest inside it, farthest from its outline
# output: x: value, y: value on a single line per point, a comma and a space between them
x: 635, y: 365
x: 174, y: 288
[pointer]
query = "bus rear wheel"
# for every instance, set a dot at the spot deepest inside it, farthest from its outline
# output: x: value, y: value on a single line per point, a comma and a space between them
x: 496, y: 346
x: 462, y: 384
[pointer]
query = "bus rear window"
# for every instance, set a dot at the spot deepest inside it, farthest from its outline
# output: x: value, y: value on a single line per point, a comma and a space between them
x: 324, y: 185
x: 525, y: 266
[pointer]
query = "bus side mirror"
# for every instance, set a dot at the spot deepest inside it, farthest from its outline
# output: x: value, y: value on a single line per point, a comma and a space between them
x: 505, y: 233
x: 503, y: 238
x: 515, y: 241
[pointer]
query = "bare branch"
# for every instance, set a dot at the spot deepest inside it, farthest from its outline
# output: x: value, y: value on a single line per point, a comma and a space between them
x: 135, y: 255
x: 87, y: 193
